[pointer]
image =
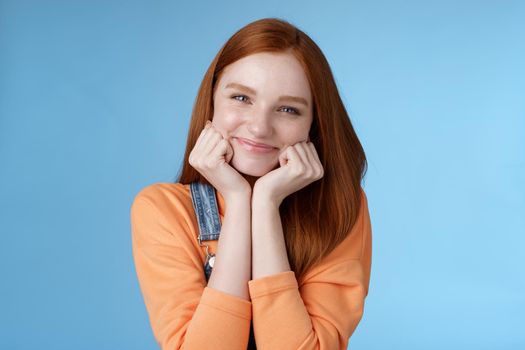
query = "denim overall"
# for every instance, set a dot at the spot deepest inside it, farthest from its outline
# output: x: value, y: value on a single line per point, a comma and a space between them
x: 207, y: 212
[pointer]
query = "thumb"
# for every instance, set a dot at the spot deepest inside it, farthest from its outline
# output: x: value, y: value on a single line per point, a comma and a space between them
x: 229, y: 152
x: 283, y: 157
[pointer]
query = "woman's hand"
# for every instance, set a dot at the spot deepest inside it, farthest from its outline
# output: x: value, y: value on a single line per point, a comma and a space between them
x: 210, y: 157
x: 299, y: 166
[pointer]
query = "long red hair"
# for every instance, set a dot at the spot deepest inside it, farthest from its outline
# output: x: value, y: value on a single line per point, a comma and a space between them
x: 319, y: 216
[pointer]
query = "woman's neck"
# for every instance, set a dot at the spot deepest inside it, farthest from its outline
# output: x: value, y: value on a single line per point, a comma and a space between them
x: 251, y: 179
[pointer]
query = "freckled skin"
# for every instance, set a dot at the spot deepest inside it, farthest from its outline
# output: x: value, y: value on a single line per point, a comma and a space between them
x: 262, y: 117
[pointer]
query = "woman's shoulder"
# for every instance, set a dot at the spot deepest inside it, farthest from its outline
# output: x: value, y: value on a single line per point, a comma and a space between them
x: 162, y: 191
x: 162, y: 217
x: 161, y: 208
x: 170, y: 200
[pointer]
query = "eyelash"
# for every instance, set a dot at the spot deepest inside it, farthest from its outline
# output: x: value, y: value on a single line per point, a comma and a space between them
x: 294, y: 110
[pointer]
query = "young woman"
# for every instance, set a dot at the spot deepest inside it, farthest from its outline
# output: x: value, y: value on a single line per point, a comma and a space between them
x: 265, y: 238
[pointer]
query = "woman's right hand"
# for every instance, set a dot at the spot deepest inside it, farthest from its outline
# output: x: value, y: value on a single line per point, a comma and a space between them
x: 210, y: 157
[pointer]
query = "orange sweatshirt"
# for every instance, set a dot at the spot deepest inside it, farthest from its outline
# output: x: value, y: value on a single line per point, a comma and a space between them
x: 320, y: 311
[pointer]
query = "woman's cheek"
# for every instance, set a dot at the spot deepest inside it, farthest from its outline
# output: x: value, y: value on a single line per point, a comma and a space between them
x: 232, y: 117
x: 236, y: 114
x: 291, y: 133
x: 227, y: 120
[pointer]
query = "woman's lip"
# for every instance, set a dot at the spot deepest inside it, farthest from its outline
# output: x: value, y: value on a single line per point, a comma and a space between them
x: 255, y: 144
x: 253, y: 148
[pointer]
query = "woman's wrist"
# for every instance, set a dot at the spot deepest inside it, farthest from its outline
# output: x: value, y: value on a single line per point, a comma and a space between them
x: 242, y: 195
x: 263, y: 198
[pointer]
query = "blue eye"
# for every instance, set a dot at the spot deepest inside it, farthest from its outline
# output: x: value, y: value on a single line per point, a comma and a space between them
x: 293, y: 110
x: 235, y: 97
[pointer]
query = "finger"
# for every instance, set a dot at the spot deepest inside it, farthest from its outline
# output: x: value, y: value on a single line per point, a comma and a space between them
x: 300, y: 149
x: 220, y: 150
x: 318, y: 165
x: 311, y: 156
x: 283, y: 157
x: 229, y: 152
x: 211, y: 140
x: 312, y: 161
x: 294, y: 158
x: 314, y: 152
x: 201, y: 135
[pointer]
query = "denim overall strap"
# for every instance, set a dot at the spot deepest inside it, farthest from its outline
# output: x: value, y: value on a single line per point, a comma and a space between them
x: 205, y: 205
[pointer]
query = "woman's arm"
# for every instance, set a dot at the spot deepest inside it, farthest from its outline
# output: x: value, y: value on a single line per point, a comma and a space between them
x: 322, y: 311
x: 232, y: 268
x: 299, y: 166
x: 269, y: 255
x: 184, y: 313
x: 210, y: 157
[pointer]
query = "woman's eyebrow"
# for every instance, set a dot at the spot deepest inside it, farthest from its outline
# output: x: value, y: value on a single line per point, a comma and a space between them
x: 253, y: 92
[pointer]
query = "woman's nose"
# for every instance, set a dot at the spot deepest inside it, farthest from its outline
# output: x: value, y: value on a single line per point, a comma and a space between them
x: 260, y: 124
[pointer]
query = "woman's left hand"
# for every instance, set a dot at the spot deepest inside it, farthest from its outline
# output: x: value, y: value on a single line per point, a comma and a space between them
x: 299, y: 166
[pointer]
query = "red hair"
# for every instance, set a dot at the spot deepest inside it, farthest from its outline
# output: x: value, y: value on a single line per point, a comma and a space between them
x: 319, y: 216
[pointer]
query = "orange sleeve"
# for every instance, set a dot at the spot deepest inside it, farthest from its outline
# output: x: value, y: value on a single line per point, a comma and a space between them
x: 183, y: 312
x: 321, y: 313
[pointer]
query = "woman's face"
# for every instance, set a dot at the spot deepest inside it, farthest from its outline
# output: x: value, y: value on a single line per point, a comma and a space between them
x: 264, y: 98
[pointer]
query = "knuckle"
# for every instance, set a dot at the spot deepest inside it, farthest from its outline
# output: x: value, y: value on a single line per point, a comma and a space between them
x: 199, y: 164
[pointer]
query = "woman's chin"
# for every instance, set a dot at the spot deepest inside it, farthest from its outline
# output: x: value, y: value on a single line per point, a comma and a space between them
x: 252, y: 168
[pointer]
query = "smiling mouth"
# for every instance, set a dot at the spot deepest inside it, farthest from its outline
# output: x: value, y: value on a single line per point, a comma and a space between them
x: 253, y: 148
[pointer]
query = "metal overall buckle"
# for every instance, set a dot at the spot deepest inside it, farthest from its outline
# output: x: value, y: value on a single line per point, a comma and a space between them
x: 210, y: 259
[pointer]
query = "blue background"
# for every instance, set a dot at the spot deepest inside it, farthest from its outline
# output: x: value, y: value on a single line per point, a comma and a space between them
x: 95, y: 101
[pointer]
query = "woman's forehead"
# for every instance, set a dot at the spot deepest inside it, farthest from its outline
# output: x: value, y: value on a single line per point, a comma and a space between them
x: 280, y: 73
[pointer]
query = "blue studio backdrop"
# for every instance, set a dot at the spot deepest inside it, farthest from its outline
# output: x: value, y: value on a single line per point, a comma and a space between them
x: 95, y: 103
